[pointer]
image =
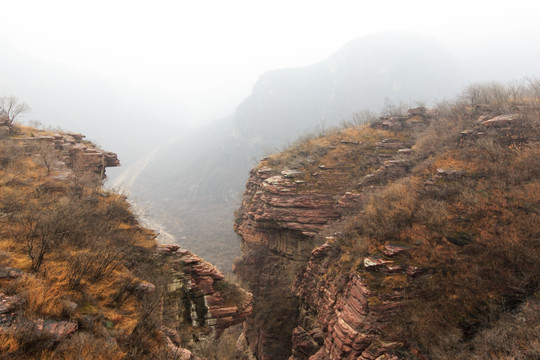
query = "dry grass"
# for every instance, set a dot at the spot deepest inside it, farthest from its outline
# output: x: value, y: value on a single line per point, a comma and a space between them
x: 8, y: 344
x: 477, y: 232
x: 90, y: 225
x: 42, y: 299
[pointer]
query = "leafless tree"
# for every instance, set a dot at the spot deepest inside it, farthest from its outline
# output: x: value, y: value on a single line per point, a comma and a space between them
x: 12, y: 108
x: 47, y: 155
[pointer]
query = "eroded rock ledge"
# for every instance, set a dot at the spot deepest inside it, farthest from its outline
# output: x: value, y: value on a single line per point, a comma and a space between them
x: 202, y: 295
x: 350, y: 314
x: 285, y: 209
x: 69, y: 151
x: 320, y: 295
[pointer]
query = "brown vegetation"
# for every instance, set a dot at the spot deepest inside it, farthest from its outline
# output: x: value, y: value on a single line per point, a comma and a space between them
x: 458, y: 185
x: 79, y: 278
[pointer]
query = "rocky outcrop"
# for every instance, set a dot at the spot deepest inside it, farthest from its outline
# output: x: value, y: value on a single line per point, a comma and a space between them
x: 281, y: 216
x: 84, y: 155
x: 350, y: 313
x: 397, y: 224
x: 69, y: 151
x: 284, y: 210
x: 276, y: 202
x: 202, y: 296
x: 46, y: 331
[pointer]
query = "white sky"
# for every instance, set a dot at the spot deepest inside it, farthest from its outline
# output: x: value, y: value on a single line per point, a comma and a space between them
x: 207, y: 54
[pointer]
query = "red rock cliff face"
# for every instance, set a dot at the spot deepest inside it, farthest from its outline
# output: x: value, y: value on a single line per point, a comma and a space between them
x: 343, y: 314
x: 200, y: 293
x: 284, y: 211
x: 345, y: 234
x: 281, y: 217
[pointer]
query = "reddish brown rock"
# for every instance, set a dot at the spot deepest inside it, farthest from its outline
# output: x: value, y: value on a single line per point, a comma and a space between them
x: 145, y: 287
x: 372, y: 262
x: 394, y: 249
x: 11, y: 273
x: 501, y: 120
x: 338, y: 314
x: 8, y: 303
x: 46, y: 331
x: 305, y: 344
x: 58, y: 330
x: 198, y: 281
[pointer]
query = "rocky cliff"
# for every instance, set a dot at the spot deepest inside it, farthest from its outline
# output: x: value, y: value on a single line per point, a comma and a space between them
x: 78, y: 274
x: 358, y: 244
x: 200, y: 294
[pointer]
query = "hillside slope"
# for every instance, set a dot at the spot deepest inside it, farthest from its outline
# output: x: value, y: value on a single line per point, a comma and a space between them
x: 414, y: 237
x: 193, y: 186
x: 80, y: 278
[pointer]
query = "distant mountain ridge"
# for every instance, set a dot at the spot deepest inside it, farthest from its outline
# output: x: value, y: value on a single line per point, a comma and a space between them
x: 194, y: 185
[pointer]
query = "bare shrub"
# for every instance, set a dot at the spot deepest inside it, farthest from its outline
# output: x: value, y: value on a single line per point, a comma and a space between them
x: 360, y: 118
x: 514, y: 336
x: 434, y: 214
x: 392, y: 109
x: 43, y: 229
x: 85, y: 346
x: 93, y: 264
x: 390, y: 211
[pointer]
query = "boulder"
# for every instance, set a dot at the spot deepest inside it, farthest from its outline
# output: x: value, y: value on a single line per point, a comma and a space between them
x: 501, y: 120
x: 394, y: 249
x: 57, y: 330
x: 8, y: 303
x: 11, y: 273
x: 292, y: 173
x: 373, y: 262
x: 145, y: 287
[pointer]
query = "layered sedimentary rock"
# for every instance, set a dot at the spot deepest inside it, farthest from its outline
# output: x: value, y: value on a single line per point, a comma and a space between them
x: 283, y: 213
x: 350, y: 314
x: 201, y: 295
x: 69, y: 154
x: 197, y: 292
x: 329, y: 285
x: 278, y: 204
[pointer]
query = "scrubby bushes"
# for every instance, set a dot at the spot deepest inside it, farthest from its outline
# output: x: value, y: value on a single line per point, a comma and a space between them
x: 390, y: 211
x: 80, y: 247
x: 468, y: 208
x: 476, y: 231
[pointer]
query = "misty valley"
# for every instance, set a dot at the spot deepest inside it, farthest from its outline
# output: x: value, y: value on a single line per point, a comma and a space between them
x: 380, y: 204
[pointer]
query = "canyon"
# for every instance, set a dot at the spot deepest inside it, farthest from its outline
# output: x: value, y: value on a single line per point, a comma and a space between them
x: 410, y: 236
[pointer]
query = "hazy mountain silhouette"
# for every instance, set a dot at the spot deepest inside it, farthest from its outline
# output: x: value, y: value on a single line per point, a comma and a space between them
x: 193, y: 186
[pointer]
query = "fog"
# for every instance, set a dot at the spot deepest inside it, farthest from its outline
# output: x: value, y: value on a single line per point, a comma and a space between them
x: 139, y: 77
x: 201, y: 58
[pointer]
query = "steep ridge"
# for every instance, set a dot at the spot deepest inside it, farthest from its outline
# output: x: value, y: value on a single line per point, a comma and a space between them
x: 198, y: 178
x: 285, y: 207
x: 403, y: 239
x: 79, y: 275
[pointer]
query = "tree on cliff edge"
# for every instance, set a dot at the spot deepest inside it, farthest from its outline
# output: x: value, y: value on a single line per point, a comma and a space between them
x: 11, y: 108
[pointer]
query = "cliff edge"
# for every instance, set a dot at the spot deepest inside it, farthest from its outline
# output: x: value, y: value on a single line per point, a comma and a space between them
x: 79, y: 277
x: 405, y: 238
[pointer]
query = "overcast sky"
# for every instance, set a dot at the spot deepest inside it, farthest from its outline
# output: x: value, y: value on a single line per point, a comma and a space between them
x: 206, y: 55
